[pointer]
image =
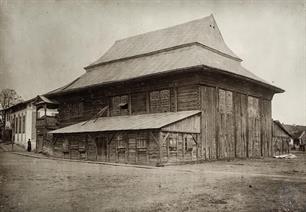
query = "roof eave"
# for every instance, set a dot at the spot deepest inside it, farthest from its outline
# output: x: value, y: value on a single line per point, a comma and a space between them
x: 181, y: 70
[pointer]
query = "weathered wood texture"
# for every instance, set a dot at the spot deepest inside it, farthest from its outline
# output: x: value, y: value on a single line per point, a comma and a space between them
x: 179, y: 147
x: 280, y: 140
x: 235, y: 120
x: 266, y: 130
x: 240, y: 103
x: 190, y: 124
x: 123, y: 147
x: 208, y: 122
x: 188, y: 98
x: 234, y: 124
x: 226, y: 146
x: 254, y: 130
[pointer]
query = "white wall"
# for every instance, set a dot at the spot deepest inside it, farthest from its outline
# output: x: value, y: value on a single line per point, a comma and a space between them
x: 30, y: 129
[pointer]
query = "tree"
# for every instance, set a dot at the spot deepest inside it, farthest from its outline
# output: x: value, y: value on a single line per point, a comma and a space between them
x: 9, y: 97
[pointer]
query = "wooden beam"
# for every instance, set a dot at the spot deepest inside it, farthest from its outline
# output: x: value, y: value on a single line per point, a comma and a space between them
x: 154, y: 138
x: 195, y: 139
x: 165, y: 138
x: 160, y: 147
x: 130, y: 103
x: 217, y: 122
x: 175, y: 99
x: 147, y: 102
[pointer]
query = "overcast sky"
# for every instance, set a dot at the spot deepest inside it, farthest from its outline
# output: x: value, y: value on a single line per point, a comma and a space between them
x: 46, y: 44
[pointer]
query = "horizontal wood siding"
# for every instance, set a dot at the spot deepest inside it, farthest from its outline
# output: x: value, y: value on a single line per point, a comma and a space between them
x: 188, y: 98
x: 190, y: 124
x: 138, y: 101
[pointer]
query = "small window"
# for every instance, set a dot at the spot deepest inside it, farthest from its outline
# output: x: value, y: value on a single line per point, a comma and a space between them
x: 120, y: 105
x: 142, y: 140
x: 172, y: 144
x: 121, y: 142
x: 123, y: 106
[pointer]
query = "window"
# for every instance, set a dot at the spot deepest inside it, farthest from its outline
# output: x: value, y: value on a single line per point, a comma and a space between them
x: 15, y: 124
x: 189, y: 143
x: 121, y: 142
x: 172, y: 144
x: 23, y: 124
x: 120, y: 105
x: 142, y: 140
x: 160, y: 101
x: 20, y: 124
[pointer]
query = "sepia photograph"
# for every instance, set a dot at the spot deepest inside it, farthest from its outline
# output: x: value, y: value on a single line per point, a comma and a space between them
x: 161, y: 105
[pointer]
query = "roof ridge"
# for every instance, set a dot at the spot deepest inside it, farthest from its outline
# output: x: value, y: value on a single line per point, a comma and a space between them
x: 164, y: 28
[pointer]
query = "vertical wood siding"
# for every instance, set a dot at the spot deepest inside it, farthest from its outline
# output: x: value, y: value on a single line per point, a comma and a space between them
x: 208, y: 122
x: 226, y: 125
x: 240, y: 102
x: 254, y: 129
x: 266, y: 122
x: 234, y: 125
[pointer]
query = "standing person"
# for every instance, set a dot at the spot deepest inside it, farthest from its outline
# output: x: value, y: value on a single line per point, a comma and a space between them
x: 29, y: 145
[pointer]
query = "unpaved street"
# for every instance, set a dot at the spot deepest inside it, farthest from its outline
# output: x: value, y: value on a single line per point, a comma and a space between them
x: 30, y: 184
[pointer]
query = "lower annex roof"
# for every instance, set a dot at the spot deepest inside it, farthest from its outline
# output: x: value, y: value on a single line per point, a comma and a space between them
x: 121, y: 123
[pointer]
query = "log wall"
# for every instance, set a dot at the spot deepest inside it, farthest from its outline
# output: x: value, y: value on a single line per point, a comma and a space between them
x: 235, y: 121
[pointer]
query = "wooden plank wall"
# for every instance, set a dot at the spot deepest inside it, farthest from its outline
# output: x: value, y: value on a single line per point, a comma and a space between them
x: 234, y: 124
x: 188, y: 98
x: 225, y: 120
x: 240, y: 103
x: 254, y: 129
x: 208, y: 122
x: 123, y: 147
x: 266, y: 130
x: 280, y: 140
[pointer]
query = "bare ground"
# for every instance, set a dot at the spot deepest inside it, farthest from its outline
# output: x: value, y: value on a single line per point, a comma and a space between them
x: 31, y: 184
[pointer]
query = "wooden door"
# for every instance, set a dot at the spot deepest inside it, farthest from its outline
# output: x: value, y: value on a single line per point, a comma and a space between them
x: 132, y: 148
x: 101, y: 144
x: 91, y: 150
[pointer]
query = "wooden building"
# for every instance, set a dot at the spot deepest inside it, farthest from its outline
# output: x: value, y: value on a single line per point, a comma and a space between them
x: 298, y: 133
x: 281, y: 138
x: 171, y: 95
x: 46, y: 120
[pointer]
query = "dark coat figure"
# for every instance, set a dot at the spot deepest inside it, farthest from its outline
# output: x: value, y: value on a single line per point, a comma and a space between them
x: 29, y: 146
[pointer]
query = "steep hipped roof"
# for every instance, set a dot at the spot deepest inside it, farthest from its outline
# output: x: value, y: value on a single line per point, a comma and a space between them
x: 204, y: 31
x: 197, y: 43
x: 135, y: 122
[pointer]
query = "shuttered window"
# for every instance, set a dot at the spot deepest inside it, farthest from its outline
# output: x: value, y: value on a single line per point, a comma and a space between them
x: 160, y: 101
x: 120, y: 105
x: 225, y: 101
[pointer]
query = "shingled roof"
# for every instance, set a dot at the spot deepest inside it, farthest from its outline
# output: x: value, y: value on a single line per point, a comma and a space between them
x: 197, y: 43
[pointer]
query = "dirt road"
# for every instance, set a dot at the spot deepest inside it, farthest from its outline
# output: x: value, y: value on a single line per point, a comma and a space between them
x: 30, y: 184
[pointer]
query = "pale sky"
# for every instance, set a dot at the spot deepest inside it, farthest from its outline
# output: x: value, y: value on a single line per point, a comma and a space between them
x: 46, y: 44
